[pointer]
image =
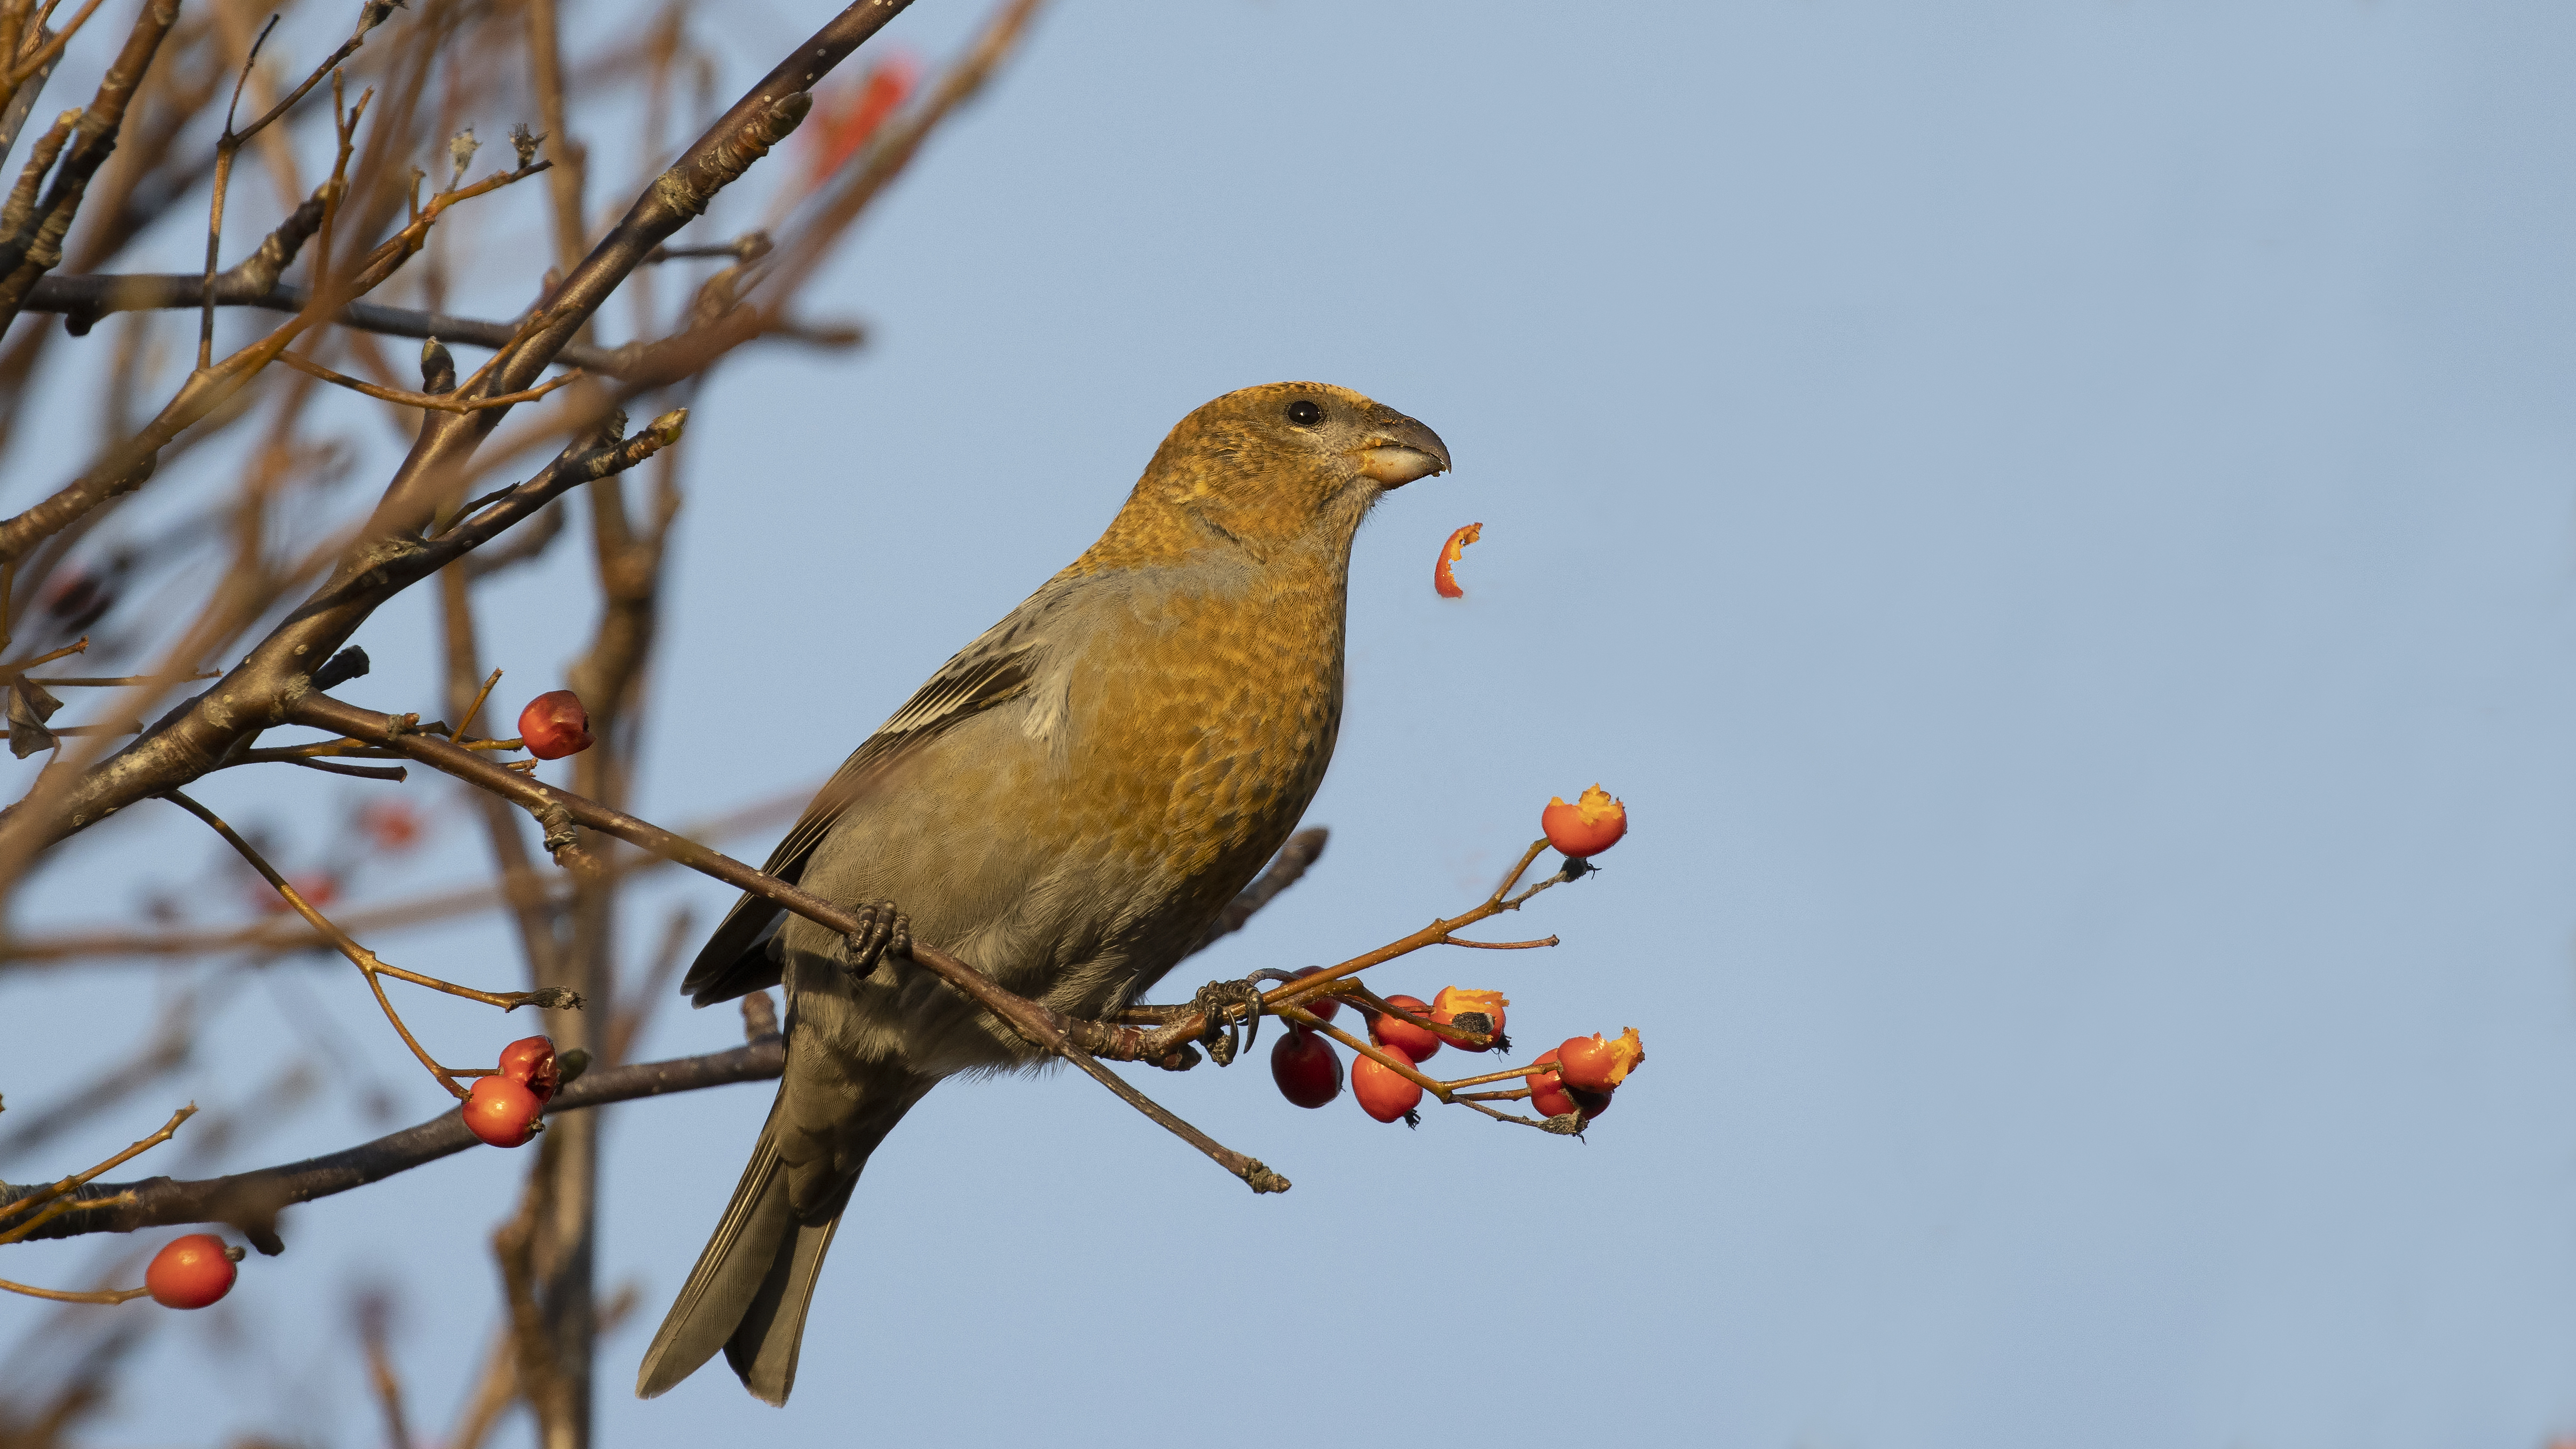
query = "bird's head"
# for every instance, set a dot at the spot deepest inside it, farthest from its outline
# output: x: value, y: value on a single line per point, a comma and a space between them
x: 1272, y: 466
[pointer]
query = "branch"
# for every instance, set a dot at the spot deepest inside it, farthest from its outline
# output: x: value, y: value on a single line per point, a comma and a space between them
x: 436, y: 402
x: 67, y: 1194
x: 83, y: 300
x: 291, y: 934
x: 259, y: 691
x: 365, y: 960
x: 560, y: 810
x: 29, y: 252
x: 758, y: 121
x: 1286, y: 868
x: 250, y: 1201
x: 194, y: 738
x: 895, y: 146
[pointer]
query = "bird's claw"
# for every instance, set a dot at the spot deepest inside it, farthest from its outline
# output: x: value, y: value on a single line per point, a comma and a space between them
x: 1232, y: 1010
x: 883, y: 930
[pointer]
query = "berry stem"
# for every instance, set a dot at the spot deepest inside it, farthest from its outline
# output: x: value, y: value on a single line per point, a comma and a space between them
x: 58, y: 1295
x: 1503, y: 1077
x: 1438, y: 933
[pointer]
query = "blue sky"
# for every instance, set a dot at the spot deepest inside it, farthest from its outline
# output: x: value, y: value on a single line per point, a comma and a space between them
x: 2055, y: 516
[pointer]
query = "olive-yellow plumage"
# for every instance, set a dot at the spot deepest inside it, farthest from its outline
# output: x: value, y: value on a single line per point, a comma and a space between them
x: 1066, y: 804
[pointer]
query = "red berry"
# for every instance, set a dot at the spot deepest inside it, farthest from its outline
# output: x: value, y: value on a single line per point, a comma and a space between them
x: 844, y: 117
x: 1307, y: 1069
x: 1396, y: 1035
x: 502, y: 1112
x: 1456, y: 1001
x: 1587, y: 827
x: 555, y: 725
x: 530, y: 1062
x: 391, y: 824
x: 191, y: 1272
x: 1322, y: 1006
x: 1594, y: 1065
x: 317, y: 887
x: 1383, y: 1092
x: 1547, y: 1097
x: 1590, y: 1104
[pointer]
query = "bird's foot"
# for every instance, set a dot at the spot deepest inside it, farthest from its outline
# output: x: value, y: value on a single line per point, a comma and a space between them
x: 883, y: 930
x: 1232, y: 1010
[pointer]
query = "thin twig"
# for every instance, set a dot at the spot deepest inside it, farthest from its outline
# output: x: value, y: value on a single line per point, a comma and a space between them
x: 38, y: 1197
x: 58, y: 1295
x: 365, y: 960
x: 1305, y: 988
x: 226, y: 147
x: 291, y: 934
x: 440, y: 402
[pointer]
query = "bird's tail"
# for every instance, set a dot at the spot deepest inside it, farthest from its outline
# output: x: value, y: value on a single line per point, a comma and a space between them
x: 751, y: 1287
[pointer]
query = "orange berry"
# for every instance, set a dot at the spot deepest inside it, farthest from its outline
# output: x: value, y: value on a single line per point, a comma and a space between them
x: 1417, y: 1042
x: 555, y: 725
x: 1456, y: 1001
x: 502, y: 1112
x: 1307, y: 1069
x: 1594, y: 1065
x: 530, y: 1062
x: 192, y: 1271
x: 1587, y: 827
x: 1384, y: 1092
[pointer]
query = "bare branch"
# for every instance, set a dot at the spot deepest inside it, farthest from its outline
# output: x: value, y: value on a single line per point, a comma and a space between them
x: 1048, y: 1030
x: 251, y: 1201
x: 293, y: 934
x: 84, y: 299
x: 28, y: 252
x: 436, y: 402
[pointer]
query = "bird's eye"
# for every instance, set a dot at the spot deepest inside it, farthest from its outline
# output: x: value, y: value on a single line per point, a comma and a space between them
x: 1304, y: 414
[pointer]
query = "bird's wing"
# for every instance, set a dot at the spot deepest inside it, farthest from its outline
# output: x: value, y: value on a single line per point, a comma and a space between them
x: 1000, y: 666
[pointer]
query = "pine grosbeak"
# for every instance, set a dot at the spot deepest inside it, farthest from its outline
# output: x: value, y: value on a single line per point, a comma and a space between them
x: 1066, y: 804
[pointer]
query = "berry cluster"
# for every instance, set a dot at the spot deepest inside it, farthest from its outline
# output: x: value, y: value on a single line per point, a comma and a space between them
x: 504, y: 1108
x: 1574, y: 1080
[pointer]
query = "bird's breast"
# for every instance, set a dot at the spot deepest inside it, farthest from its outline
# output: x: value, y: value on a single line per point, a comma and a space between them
x: 1205, y: 720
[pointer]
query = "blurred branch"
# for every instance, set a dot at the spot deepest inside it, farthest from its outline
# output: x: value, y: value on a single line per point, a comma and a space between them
x: 84, y: 299
x: 172, y: 1037
x: 1286, y: 868
x: 435, y: 402
x: 294, y: 935
x: 897, y: 144
x: 373, y: 1313
x: 552, y: 1393
x: 258, y: 691
x: 32, y: 248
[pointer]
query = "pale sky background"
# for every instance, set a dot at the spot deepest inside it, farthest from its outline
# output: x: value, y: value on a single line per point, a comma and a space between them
x: 2058, y: 518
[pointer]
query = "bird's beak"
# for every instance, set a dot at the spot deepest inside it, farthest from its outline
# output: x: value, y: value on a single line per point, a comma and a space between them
x: 1400, y: 450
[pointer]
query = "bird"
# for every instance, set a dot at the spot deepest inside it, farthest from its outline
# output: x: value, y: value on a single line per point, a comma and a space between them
x: 1066, y: 804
